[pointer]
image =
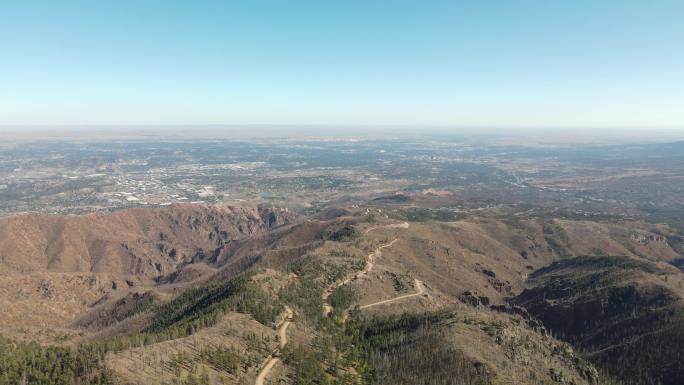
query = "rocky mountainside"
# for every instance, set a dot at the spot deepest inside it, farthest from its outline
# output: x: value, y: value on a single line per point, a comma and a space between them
x: 190, y: 292
x: 54, y: 268
x: 142, y: 242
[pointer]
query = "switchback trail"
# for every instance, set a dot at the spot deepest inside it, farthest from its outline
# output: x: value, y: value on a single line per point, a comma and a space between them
x: 273, y: 359
x: 370, y: 260
x: 327, y: 309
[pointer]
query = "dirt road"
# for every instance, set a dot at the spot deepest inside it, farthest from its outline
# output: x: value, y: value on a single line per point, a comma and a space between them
x: 272, y: 359
x: 327, y: 309
x: 370, y: 260
x: 419, y: 287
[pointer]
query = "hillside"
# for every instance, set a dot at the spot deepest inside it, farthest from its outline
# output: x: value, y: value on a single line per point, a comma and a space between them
x: 625, y: 314
x: 345, y: 297
x: 141, y: 242
x: 54, y: 268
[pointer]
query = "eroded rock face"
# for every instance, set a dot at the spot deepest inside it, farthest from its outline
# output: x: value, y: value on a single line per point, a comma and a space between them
x: 143, y: 242
x: 519, y: 310
x: 55, y: 268
x: 472, y: 299
x: 645, y: 238
x: 623, y: 312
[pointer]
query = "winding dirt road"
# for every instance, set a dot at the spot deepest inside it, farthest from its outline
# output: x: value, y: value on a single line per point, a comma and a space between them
x: 272, y: 359
x: 327, y: 309
x: 370, y: 262
x: 419, y: 287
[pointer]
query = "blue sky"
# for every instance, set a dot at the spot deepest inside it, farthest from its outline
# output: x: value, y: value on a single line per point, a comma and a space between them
x: 601, y: 63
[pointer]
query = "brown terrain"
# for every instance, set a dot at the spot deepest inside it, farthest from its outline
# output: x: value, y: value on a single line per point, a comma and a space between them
x: 492, y: 259
x: 54, y: 267
x: 508, y: 284
x: 141, y: 242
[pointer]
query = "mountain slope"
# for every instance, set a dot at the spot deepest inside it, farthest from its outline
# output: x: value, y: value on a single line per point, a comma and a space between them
x: 626, y: 314
x: 54, y: 268
x: 144, y: 242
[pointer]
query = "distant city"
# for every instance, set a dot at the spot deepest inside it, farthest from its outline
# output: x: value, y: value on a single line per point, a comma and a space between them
x: 304, y: 175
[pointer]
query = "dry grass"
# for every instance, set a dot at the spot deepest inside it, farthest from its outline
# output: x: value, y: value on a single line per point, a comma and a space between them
x: 152, y: 364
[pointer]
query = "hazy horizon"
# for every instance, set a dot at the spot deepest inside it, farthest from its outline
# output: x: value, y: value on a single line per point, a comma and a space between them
x: 481, y: 135
x: 496, y: 64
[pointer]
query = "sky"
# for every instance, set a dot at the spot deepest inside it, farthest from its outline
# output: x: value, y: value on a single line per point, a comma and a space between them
x: 485, y: 63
